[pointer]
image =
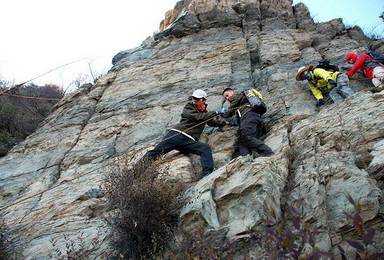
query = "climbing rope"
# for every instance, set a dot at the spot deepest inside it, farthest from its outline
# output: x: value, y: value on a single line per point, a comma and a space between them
x: 38, y: 98
x: 35, y: 98
x: 39, y: 76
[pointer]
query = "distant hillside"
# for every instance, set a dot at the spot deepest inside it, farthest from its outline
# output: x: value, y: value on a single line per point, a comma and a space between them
x: 20, y: 116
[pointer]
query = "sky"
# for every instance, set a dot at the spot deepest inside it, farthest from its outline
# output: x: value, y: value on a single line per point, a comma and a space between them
x: 364, y: 13
x: 38, y: 36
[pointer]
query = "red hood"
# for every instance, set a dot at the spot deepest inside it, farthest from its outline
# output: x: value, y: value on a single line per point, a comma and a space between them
x: 352, y: 56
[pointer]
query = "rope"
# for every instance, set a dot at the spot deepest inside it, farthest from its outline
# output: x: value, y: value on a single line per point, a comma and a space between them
x: 132, y: 153
x: 40, y: 98
x: 28, y: 97
x: 39, y: 76
x: 361, y: 79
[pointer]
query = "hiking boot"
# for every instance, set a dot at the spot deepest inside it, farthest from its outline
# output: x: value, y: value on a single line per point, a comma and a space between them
x: 256, y: 155
x: 204, y: 174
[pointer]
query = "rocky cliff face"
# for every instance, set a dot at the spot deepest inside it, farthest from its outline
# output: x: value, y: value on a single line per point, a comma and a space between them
x: 49, y: 184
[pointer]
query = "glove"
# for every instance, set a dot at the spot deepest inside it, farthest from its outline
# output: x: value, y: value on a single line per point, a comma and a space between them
x: 319, y: 103
x: 232, y: 123
x: 221, y: 111
x: 332, y: 82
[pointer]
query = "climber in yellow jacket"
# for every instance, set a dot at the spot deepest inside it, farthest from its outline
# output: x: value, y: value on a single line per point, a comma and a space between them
x: 320, y: 80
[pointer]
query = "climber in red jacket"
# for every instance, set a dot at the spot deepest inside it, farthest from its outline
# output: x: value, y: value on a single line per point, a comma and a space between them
x: 368, y: 66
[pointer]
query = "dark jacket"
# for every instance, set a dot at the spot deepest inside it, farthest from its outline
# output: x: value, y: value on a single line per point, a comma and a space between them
x: 191, y: 116
x: 240, y: 101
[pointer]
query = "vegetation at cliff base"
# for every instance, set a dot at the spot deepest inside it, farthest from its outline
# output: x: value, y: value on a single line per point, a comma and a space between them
x: 146, y: 204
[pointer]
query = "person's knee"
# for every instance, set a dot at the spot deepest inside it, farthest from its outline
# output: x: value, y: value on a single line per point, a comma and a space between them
x: 207, y: 149
x: 244, y: 139
x: 342, y: 79
x: 205, y: 146
x: 252, y: 139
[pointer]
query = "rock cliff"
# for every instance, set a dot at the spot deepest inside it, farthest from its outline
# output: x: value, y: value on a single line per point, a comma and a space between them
x: 49, y: 184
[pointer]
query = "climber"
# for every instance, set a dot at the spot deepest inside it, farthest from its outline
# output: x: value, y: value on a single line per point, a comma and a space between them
x: 320, y: 80
x: 184, y: 136
x: 371, y: 68
x: 251, y: 125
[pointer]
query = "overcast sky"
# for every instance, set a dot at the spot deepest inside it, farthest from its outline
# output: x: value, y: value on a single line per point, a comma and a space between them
x: 40, y: 35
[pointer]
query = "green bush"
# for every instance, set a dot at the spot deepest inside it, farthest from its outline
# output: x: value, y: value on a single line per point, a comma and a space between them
x: 146, y: 206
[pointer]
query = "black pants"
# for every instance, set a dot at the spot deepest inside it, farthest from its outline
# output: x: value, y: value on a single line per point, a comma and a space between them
x: 185, y: 145
x: 251, y: 128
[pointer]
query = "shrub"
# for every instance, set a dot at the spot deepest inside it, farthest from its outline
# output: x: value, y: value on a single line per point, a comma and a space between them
x: 7, y: 250
x: 196, y: 246
x: 4, y: 254
x: 146, y: 204
x: 282, y: 240
x: 365, y: 248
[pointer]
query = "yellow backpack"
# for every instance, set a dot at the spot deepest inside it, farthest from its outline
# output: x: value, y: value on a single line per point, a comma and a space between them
x: 256, y: 101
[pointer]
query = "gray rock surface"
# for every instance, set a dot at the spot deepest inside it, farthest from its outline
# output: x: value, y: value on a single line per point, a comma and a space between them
x: 50, y: 183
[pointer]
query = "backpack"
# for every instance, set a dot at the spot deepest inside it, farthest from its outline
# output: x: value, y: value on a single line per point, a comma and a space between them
x: 376, y: 56
x: 324, y: 64
x: 256, y: 100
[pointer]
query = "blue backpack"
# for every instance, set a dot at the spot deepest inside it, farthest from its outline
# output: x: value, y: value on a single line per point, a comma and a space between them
x: 376, y: 56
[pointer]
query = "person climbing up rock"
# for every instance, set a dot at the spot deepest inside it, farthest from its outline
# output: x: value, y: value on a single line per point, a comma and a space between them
x: 320, y: 81
x: 372, y: 68
x: 185, y: 135
x: 251, y: 125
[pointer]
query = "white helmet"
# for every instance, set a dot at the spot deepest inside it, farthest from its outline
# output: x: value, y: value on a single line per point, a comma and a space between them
x: 199, y: 93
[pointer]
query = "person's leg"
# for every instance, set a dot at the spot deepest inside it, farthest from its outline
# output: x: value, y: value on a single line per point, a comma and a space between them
x: 378, y: 77
x: 250, y: 131
x: 335, y: 95
x: 169, y: 142
x: 205, y: 152
x: 343, y: 86
x: 243, y: 149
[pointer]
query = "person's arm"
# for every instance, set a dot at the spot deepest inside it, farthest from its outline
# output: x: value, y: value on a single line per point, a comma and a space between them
x: 359, y: 64
x: 315, y: 91
x: 325, y: 76
x: 217, y: 122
